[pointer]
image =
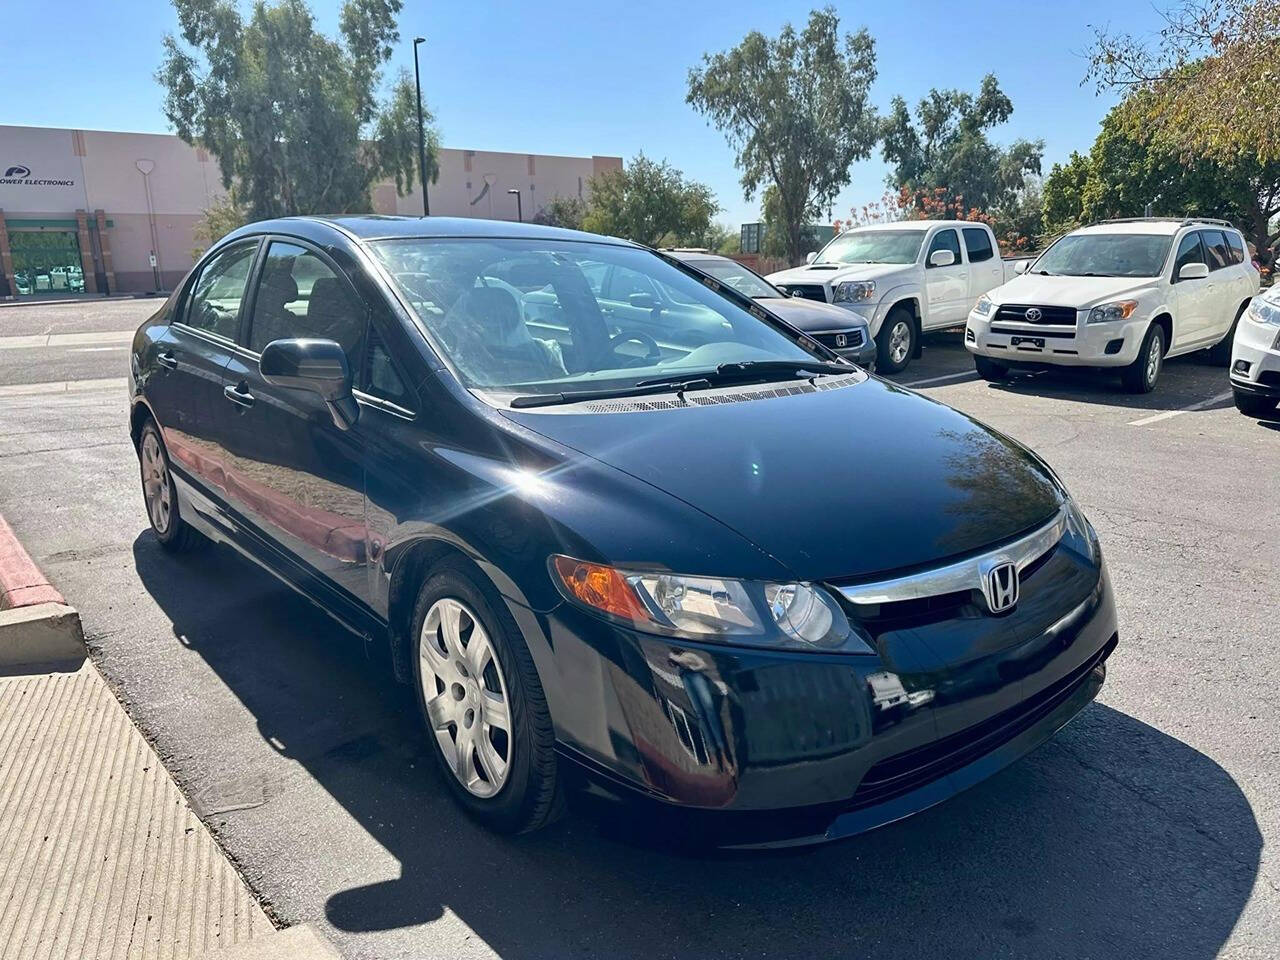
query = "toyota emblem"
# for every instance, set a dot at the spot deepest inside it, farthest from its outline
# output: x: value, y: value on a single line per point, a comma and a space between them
x: 1033, y: 314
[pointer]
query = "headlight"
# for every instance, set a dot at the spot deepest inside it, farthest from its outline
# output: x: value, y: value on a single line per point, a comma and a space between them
x: 1079, y: 524
x: 854, y: 291
x: 750, y: 612
x: 1262, y: 312
x: 983, y: 307
x: 1107, y: 312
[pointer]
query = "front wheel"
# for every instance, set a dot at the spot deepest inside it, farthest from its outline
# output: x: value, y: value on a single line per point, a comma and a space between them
x: 1252, y: 406
x: 1141, y: 375
x: 988, y: 369
x: 896, y: 341
x: 486, y: 716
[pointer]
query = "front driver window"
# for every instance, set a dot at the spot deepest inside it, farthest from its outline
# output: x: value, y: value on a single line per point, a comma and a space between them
x: 300, y: 296
x: 1189, y: 251
x: 944, y: 240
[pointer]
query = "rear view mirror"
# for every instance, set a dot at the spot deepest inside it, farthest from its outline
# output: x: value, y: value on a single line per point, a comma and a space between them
x: 319, y: 366
x: 1193, y: 271
x: 941, y: 258
x: 811, y: 256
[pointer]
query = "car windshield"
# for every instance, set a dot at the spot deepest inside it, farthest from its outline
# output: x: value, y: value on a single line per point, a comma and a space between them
x: 552, y: 316
x: 873, y: 246
x: 738, y: 277
x: 1106, y: 255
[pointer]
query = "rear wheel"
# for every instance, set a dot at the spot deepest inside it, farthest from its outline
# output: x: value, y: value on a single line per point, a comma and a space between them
x: 1252, y: 406
x: 988, y: 369
x: 1220, y: 353
x: 161, y: 497
x: 1141, y: 375
x: 486, y: 715
x: 896, y: 341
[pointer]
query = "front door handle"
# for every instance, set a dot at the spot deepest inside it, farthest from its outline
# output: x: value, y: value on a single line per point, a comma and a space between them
x: 167, y: 359
x: 239, y: 395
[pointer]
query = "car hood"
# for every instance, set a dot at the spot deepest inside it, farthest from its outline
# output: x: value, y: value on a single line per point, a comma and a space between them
x: 812, y: 316
x: 830, y: 273
x: 1069, y: 291
x: 839, y: 483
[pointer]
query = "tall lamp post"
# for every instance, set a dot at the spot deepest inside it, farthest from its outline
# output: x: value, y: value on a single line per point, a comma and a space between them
x: 422, y: 136
x: 519, y: 208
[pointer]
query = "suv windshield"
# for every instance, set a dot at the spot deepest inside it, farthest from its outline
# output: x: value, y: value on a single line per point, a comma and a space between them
x: 1106, y: 255
x: 873, y: 246
x: 738, y: 277
x: 552, y: 316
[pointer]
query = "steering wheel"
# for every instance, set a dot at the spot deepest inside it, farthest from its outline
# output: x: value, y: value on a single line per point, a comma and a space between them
x: 636, y: 336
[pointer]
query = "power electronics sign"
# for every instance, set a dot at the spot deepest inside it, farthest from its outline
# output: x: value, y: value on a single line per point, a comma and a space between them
x: 17, y: 175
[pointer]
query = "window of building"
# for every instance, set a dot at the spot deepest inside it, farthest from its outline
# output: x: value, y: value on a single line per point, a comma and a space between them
x: 300, y: 296
x: 214, y: 305
x: 944, y: 240
x: 978, y: 242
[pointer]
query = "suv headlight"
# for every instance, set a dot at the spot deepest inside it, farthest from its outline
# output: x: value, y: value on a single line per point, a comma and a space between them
x: 1108, y: 312
x: 749, y: 612
x: 1262, y: 312
x: 854, y: 291
x: 983, y: 307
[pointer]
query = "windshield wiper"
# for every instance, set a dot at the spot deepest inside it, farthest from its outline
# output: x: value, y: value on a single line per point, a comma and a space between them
x: 757, y: 369
x: 1043, y: 273
x: 605, y: 393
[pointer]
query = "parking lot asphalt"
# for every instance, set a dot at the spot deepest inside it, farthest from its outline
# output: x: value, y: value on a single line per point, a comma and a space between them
x: 1147, y: 828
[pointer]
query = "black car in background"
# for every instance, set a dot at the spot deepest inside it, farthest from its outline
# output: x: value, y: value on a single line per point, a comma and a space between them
x: 730, y: 575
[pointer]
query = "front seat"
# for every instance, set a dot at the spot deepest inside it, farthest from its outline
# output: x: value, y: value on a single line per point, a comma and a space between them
x: 494, y: 344
x: 330, y: 315
x: 271, y: 320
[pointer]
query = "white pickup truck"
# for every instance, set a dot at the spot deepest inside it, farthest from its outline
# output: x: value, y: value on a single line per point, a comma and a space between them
x: 903, y: 278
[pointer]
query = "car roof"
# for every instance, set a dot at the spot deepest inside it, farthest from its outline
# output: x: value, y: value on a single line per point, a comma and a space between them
x: 1154, y: 226
x: 379, y: 227
x: 914, y: 225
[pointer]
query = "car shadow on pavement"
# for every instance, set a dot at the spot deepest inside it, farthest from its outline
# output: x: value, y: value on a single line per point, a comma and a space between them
x: 1114, y: 839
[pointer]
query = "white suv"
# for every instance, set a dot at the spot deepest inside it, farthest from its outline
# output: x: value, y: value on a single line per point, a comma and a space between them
x: 1123, y: 294
x: 1255, y: 358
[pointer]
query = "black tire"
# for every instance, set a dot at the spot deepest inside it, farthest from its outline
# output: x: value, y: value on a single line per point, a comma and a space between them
x: 988, y: 369
x: 172, y: 532
x: 1139, y: 376
x: 1220, y: 352
x: 531, y: 795
x: 1253, y: 406
x: 888, y: 344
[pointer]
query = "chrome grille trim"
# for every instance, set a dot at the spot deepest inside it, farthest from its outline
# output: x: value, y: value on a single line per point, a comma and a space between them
x: 963, y: 574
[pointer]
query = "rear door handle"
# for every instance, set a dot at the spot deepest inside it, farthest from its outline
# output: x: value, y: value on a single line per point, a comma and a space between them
x: 239, y: 395
x: 167, y: 359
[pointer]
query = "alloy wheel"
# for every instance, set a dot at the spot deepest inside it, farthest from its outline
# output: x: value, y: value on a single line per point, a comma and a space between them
x: 156, y: 489
x: 1153, y: 361
x: 466, y: 699
x: 899, y: 342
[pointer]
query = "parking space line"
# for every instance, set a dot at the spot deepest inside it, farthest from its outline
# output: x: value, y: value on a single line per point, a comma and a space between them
x: 1156, y: 418
x: 966, y: 375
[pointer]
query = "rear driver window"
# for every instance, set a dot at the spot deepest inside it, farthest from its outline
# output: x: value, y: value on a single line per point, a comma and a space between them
x: 1215, y: 246
x: 978, y: 242
x: 1236, y: 244
x: 215, y: 300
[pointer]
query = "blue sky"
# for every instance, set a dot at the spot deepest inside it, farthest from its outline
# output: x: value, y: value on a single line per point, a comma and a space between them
x: 581, y: 78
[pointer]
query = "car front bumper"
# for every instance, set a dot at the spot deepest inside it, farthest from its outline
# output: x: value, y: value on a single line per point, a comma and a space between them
x: 1114, y: 344
x: 1255, y: 358
x: 776, y: 748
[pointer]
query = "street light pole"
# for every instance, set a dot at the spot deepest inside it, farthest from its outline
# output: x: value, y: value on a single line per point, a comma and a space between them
x: 519, y: 208
x: 422, y: 136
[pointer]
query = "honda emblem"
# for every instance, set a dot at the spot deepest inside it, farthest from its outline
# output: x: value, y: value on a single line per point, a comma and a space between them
x: 841, y: 340
x: 1000, y: 586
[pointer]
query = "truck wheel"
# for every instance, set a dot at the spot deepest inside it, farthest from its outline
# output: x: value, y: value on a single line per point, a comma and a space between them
x: 1220, y: 352
x: 988, y: 369
x: 1141, y: 375
x: 1252, y: 406
x: 896, y: 341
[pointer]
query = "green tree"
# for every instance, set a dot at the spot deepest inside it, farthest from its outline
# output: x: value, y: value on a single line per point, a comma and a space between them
x: 1063, y: 195
x: 650, y: 203
x: 291, y: 114
x: 796, y: 110
x: 945, y: 151
x: 217, y: 220
x: 1209, y: 78
x: 568, y: 212
x: 774, y: 241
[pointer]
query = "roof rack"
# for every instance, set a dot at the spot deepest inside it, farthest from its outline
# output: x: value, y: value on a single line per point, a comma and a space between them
x: 1180, y: 221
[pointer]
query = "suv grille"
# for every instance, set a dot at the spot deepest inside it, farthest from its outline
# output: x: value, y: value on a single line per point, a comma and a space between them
x: 1017, y: 313
x: 852, y: 339
x: 810, y: 291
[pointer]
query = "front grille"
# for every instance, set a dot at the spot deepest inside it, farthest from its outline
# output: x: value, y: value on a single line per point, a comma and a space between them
x: 1017, y: 313
x: 904, y: 772
x: 852, y: 339
x: 1270, y: 378
x: 809, y: 291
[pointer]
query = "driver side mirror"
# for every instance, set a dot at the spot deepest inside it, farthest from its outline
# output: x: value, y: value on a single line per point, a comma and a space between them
x: 318, y: 366
x: 1193, y: 271
x: 941, y: 258
x: 642, y: 301
x: 811, y: 256
x: 1020, y: 266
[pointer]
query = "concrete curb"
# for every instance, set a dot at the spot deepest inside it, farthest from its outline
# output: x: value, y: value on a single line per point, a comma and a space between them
x: 36, y: 624
x: 302, y: 942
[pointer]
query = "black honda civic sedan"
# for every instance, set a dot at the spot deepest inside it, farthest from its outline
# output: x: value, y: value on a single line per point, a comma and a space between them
x: 704, y: 567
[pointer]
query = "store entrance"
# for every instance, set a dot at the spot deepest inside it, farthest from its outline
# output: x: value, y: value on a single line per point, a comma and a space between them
x: 46, y: 263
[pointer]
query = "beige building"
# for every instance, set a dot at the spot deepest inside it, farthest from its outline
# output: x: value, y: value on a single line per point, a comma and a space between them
x: 88, y: 211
